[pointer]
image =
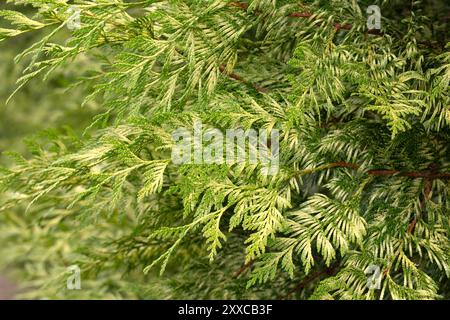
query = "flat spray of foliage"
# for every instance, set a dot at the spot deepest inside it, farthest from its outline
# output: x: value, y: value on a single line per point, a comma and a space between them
x: 364, y: 122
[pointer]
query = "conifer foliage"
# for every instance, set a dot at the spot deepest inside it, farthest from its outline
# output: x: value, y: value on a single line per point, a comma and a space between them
x: 363, y: 117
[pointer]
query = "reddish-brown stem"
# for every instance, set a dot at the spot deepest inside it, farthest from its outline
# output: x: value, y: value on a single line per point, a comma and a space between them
x: 237, y: 77
x: 244, y: 268
x: 427, y: 188
x: 307, y: 15
x: 312, y: 277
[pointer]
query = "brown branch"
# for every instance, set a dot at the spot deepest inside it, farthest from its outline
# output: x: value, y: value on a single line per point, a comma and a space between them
x: 241, y: 5
x: 307, y: 15
x: 312, y: 277
x: 244, y: 268
x: 427, y: 188
x: 237, y: 77
x: 428, y: 176
x: 300, y: 15
x: 344, y: 165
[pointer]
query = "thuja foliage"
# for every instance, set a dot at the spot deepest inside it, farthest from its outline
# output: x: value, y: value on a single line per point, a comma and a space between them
x: 363, y: 116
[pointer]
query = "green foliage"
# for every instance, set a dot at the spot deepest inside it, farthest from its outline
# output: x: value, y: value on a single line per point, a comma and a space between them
x: 364, y: 151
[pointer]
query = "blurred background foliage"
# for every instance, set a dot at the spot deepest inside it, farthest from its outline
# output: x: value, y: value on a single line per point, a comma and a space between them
x: 41, y: 105
x: 36, y: 246
x: 40, y: 109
